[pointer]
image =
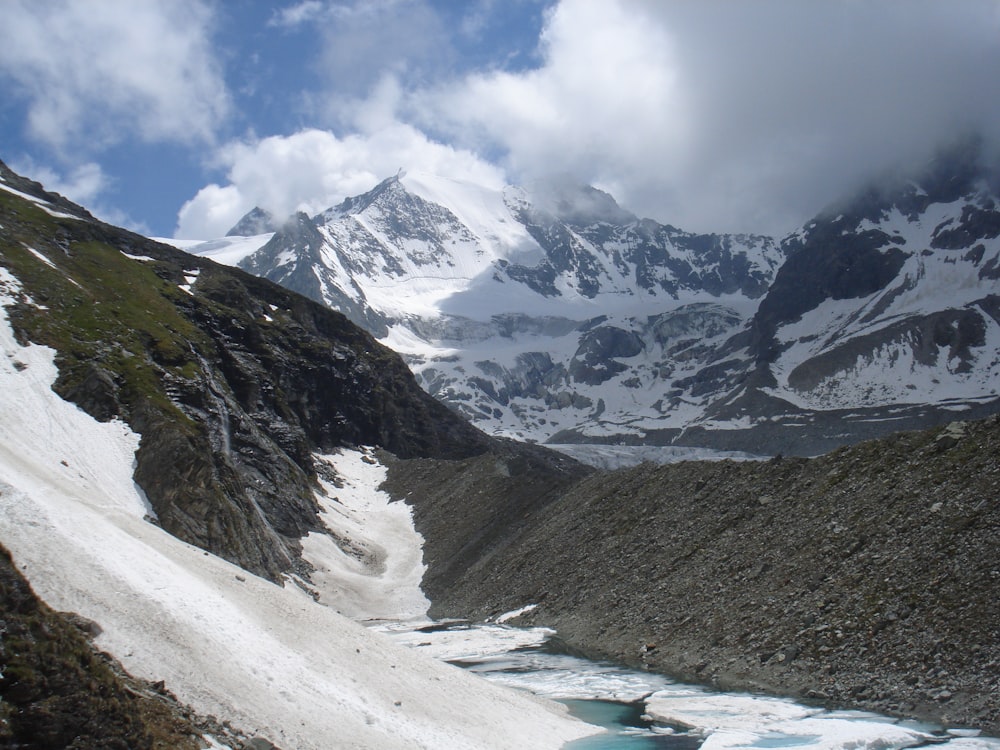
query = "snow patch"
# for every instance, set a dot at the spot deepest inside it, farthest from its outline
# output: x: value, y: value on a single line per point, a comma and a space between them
x: 370, y: 563
x: 228, y: 251
x: 42, y: 204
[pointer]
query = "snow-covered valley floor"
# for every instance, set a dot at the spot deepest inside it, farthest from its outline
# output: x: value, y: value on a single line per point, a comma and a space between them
x: 267, y: 658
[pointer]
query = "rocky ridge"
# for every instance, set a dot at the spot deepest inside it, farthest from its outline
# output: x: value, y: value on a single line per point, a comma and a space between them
x: 864, y: 578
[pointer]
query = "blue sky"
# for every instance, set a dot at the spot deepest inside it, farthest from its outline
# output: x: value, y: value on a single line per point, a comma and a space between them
x: 178, y: 116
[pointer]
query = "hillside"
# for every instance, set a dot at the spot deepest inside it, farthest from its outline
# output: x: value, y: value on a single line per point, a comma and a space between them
x: 864, y: 578
x: 233, y: 382
x: 193, y: 493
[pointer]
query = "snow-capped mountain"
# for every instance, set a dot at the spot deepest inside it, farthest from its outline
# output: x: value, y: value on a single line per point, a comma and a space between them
x: 181, y: 466
x: 530, y: 310
x: 885, y: 315
x: 550, y: 313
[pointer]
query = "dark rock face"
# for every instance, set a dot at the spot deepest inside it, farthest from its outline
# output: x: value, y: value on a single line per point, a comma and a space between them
x: 863, y: 578
x: 300, y: 237
x: 595, y: 359
x: 828, y: 264
x: 661, y: 253
x: 657, y: 257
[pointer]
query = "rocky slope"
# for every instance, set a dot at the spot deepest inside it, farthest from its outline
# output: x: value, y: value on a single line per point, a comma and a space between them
x: 866, y: 578
x: 232, y: 381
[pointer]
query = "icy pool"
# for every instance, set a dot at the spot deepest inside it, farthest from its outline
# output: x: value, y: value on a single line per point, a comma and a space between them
x: 642, y: 710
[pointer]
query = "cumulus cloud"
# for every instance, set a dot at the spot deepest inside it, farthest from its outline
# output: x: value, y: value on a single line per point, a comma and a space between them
x: 364, y: 41
x: 313, y: 170
x: 720, y: 115
x: 727, y: 115
x: 93, y: 72
x: 296, y: 15
x: 84, y: 184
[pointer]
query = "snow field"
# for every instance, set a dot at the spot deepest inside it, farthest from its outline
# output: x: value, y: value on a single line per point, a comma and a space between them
x: 929, y: 281
x: 226, y: 250
x: 378, y: 576
x: 265, y: 657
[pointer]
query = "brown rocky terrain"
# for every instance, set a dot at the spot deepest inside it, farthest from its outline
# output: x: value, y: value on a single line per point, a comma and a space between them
x: 868, y: 577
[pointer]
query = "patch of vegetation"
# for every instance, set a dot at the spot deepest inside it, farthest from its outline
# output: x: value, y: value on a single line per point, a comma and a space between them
x: 97, y: 307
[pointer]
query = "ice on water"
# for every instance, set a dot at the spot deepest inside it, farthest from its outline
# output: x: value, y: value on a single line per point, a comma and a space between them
x: 522, y: 658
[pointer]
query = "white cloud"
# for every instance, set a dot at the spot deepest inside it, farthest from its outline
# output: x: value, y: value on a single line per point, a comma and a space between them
x: 298, y: 14
x: 83, y: 185
x: 720, y: 115
x: 608, y: 86
x: 728, y: 115
x: 93, y: 72
x: 363, y: 41
x: 314, y: 169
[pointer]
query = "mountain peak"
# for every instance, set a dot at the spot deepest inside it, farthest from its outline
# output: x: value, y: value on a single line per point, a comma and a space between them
x: 254, y: 222
x: 955, y: 171
x: 359, y: 203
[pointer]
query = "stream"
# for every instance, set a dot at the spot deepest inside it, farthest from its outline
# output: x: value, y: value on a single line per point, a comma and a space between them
x: 644, y: 710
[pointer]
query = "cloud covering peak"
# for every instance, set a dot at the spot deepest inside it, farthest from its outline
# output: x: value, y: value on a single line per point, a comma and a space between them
x: 719, y: 115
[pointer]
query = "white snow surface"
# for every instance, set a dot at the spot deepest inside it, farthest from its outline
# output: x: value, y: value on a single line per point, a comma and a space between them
x: 480, y: 208
x: 930, y: 280
x: 375, y: 572
x: 435, y: 256
x: 268, y: 658
x: 603, y: 456
x: 436, y: 270
x: 228, y: 251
